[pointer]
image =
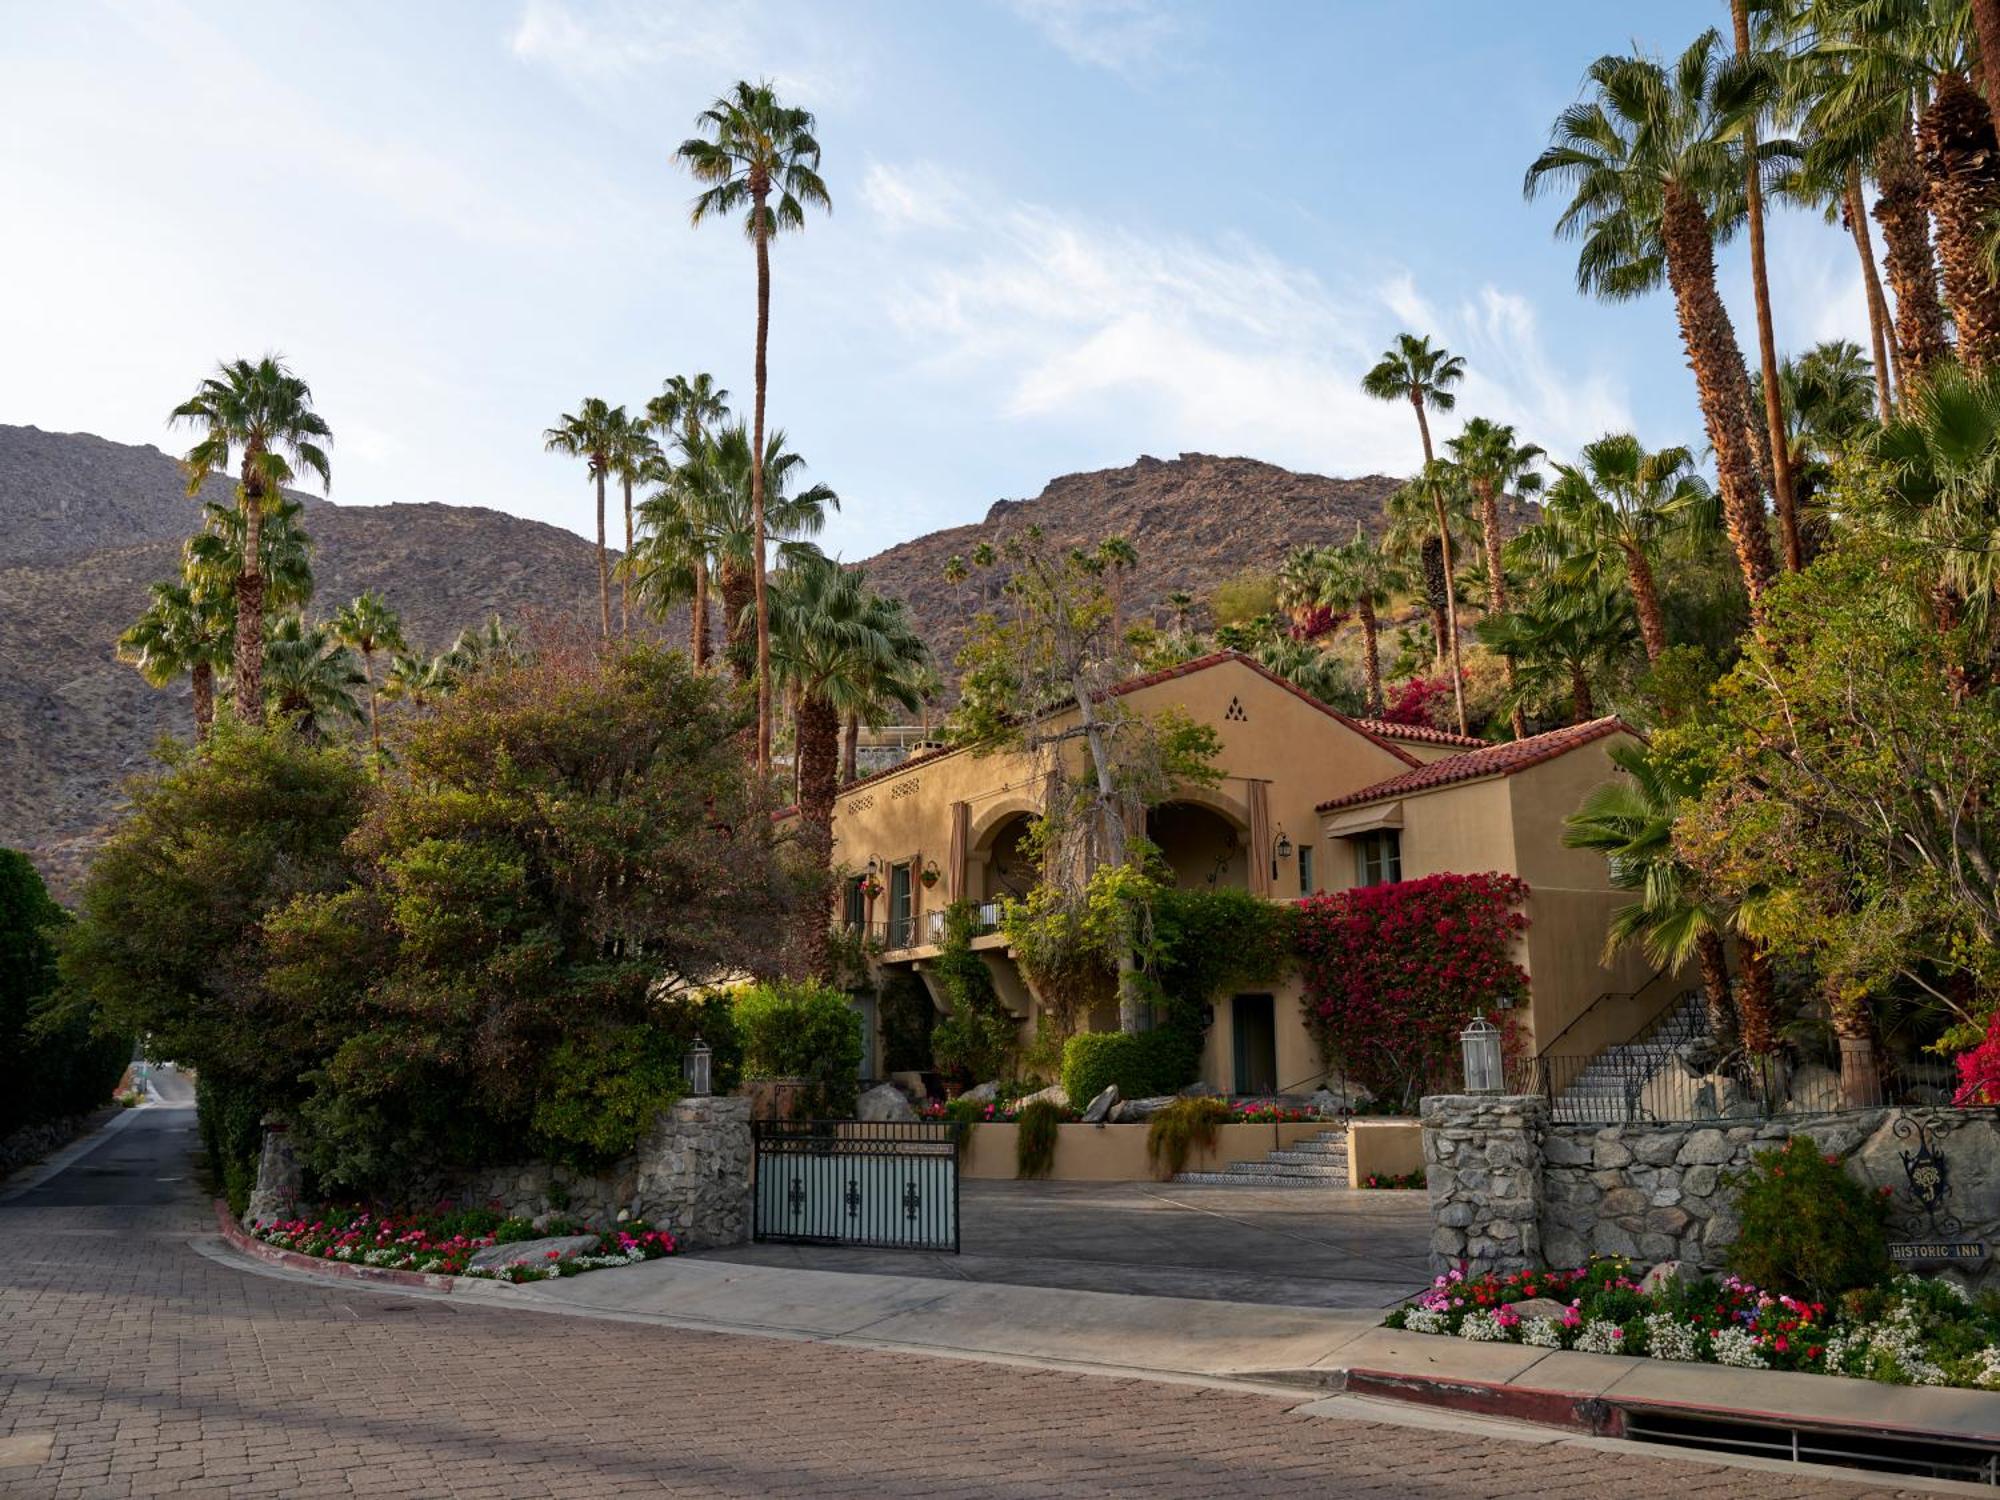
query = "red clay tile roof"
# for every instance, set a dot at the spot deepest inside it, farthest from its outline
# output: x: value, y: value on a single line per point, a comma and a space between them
x: 1375, y: 735
x: 1421, y: 734
x: 1493, y: 760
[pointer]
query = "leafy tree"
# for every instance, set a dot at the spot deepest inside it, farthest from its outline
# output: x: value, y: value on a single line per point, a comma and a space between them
x: 261, y: 417
x: 752, y: 148
x: 1652, y: 164
x: 367, y: 625
x: 803, y: 1030
x: 593, y: 433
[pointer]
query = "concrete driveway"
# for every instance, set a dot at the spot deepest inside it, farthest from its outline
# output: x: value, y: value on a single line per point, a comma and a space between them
x: 1299, y: 1247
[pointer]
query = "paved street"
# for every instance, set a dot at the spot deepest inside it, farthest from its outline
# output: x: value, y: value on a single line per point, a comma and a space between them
x: 131, y: 1365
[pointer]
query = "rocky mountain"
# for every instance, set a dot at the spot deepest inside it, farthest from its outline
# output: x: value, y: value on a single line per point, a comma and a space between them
x: 86, y: 524
x: 1194, y: 521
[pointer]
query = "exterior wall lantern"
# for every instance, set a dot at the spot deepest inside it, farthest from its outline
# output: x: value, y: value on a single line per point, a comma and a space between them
x: 1480, y: 1042
x: 696, y: 1068
x: 1281, y: 848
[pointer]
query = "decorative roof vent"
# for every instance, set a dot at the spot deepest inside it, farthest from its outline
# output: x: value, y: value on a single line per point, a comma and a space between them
x: 1236, y: 713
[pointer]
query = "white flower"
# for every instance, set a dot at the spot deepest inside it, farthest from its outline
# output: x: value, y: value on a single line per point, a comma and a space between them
x: 1542, y: 1333
x: 1738, y: 1347
x: 1482, y: 1328
x: 1669, y: 1338
x: 1424, y: 1320
x: 1601, y: 1336
x: 1986, y: 1368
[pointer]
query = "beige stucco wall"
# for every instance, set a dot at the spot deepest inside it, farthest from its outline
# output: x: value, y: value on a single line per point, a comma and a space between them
x: 1383, y: 1148
x: 1117, y: 1153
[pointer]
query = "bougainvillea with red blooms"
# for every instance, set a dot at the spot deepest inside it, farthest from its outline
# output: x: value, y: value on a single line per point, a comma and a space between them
x: 1312, y: 622
x: 1422, y: 701
x: 1979, y: 1069
x: 1393, y: 972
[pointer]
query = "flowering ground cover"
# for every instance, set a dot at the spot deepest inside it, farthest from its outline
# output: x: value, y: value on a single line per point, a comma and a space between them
x: 1394, y: 1180
x: 444, y: 1243
x: 1911, y: 1330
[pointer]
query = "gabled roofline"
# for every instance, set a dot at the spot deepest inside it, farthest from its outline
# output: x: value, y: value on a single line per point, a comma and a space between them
x: 1506, y: 759
x: 1422, y: 734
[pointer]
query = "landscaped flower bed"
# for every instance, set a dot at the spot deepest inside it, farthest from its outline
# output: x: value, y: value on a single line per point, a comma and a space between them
x: 1393, y: 1180
x: 444, y: 1244
x: 1911, y: 1331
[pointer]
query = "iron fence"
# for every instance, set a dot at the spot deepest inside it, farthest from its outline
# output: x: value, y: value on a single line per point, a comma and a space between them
x: 1619, y: 1088
x: 887, y: 1184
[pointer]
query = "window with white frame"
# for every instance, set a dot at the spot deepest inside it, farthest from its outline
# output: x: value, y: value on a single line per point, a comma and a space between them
x: 1378, y: 857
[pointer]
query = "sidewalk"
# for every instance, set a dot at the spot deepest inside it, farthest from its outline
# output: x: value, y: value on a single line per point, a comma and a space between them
x: 1329, y: 1351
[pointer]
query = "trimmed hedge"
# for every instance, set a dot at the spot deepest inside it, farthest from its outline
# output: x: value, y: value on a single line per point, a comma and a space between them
x: 1143, y: 1064
x: 801, y: 1029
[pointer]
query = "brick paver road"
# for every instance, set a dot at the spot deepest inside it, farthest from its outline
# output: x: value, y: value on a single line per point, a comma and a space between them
x: 131, y: 1365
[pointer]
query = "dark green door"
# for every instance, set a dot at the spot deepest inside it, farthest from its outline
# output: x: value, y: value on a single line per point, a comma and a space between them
x: 1254, y: 1030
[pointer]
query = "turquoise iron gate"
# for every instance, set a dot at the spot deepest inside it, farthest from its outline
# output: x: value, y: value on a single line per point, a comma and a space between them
x: 852, y: 1182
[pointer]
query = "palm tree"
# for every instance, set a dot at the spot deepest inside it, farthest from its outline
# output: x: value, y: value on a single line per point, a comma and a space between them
x: 635, y: 456
x: 1631, y: 823
x: 709, y: 512
x: 752, y: 147
x: 212, y: 559
x: 1614, y: 511
x: 367, y: 625
x: 839, y: 647
x: 1119, y: 557
x: 183, y: 633
x: 1410, y: 537
x: 1411, y: 370
x: 1561, y: 638
x: 261, y: 415
x: 310, y: 678
x: 1364, y: 579
x: 416, y: 679
x: 1180, y: 601
x: 1829, y: 399
x: 688, y: 408
x: 1444, y: 486
x: 1494, y: 463
x: 593, y: 433
x: 1654, y: 180
x: 479, y: 648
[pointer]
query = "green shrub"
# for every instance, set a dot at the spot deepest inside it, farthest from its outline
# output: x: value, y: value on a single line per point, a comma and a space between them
x: 1143, y: 1064
x: 230, y: 1116
x: 1177, y: 1130
x: 802, y: 1029
x: 1808, y: 1228
x: 976, y: 1041
x: 1035, y: 1140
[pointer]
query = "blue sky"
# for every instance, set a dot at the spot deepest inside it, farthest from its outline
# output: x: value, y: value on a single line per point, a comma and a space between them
x: 1066, y: 232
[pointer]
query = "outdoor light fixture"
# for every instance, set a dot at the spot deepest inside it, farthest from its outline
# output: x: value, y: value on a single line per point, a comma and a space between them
x: 1281, y: 848
x: 1480, y: 1042
x: 695, y: 1068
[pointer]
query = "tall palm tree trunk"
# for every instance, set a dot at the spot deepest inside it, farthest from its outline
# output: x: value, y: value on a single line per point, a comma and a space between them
x: 1582, y: 708
x: 1860, y: 1074
x: 603, y: 564
x: 850, y: 744
x: 1437, y: 566
x: 1717, y: 995
x: 1646, y: 601
x: 763, y: 239
x: 698, y: 616
x: 817, y: 755
x: 624, y: 570
x: 1853, y: 209
x: 1371, y: 655
x: 1496, y: 592
x: 201, y: 678
x: 1961, y: 161
x: 248, y: 664
x: 738, y: 593
x: 1756, y: 998
x: 1906, y: 239
x: 368, y: 676
x: 1451, y: 610
x: 1782, y: 493
x: 1718, y: 375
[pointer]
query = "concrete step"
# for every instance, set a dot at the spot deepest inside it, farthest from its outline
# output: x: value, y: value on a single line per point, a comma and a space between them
x: 1297, y: 1157
x: 1224, y: 1179
x: 1275, y: 1168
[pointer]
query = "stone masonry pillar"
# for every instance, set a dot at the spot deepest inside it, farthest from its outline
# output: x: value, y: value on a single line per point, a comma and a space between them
x: 1483, y: 1168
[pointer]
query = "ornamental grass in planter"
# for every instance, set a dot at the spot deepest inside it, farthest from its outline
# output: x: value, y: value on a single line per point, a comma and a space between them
x: 1176, y: 1131
x: 1039, y: 1128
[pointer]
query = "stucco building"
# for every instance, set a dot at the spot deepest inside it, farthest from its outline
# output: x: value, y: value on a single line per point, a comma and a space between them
x: 1309, y: 800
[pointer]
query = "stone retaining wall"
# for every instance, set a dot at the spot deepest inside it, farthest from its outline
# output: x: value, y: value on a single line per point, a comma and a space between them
x: 690, y: 1176
x: 1511, y: 1188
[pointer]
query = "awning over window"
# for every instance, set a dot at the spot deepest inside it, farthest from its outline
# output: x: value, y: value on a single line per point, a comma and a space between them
x: 1346, y: 825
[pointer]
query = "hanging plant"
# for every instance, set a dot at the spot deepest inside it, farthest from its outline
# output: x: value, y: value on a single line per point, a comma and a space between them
x: 930, y: 874
x: 871, y: 888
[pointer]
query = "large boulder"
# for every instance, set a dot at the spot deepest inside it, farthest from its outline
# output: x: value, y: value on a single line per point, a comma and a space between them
x: 1099, y: 1109
x: 1133, y: 1111
x: 1054, y: 1094
x: 1660, y: 1277
x: 545, y: 1252
x: 986, y: 1093
x: 1541, y: 1307
x: 1813, y: 1089
x: 884, y: 1103
x: 1200, y: 1089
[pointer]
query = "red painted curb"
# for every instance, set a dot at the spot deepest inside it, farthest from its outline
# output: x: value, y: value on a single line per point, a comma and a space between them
x: 249, y: 1244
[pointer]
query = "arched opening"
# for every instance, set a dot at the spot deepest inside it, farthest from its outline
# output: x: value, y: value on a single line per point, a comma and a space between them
x: 1204, y: 849
x: 1011, y: 871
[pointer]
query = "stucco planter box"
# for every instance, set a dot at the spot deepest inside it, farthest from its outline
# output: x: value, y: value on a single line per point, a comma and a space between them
x: 1117, y: 1153
x: 1383, y: 1148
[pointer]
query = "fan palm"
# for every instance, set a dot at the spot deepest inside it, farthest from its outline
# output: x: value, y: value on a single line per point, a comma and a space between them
x: 1426, y: 510
x: 1561, y: 639
x: 1494, y: 463
x: 1364, y: 579
x: 635, y: 456
x: 593, y: 433
x: 1631, y: 823
x: 687, y: 409
x: 1829, y: 397
x: 261, y: 417
x: 1655, y: 177
x: 183, y: 633
x: 310, y: 678
x: 751, y: 148
x: 416, y: 679
x: 1615, y: 510
x: 1180, y: 601
x: 1411, y: 370
x: 367, y: 625
x: 212, y: 559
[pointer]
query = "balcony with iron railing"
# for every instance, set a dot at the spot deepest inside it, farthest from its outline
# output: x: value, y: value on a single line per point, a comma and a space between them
x: 912, y: 932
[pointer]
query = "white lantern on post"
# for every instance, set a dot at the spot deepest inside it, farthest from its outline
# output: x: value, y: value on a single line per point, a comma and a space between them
x: 1480, y: 1042
x: 695, y: 1068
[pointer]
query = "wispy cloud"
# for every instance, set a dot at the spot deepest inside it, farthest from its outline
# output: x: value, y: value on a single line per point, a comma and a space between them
x: 1124, y: 36
x: 1217, y: 345
x: 923, y: 196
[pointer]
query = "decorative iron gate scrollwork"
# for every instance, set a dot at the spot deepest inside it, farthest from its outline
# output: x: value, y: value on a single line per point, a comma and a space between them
x: 889, y: 1185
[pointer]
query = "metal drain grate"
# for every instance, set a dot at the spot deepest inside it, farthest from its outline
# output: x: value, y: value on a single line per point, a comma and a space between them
x: 1926, y: 1457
